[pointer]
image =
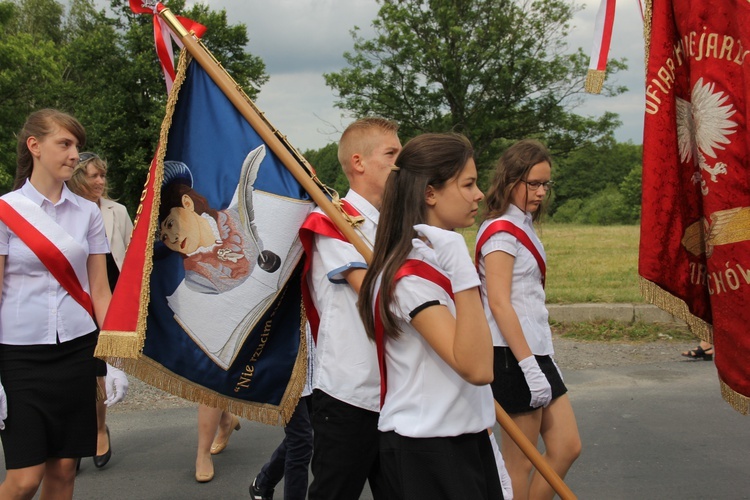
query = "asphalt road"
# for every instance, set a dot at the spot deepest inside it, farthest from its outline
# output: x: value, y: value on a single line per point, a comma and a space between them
x: 653, y: 431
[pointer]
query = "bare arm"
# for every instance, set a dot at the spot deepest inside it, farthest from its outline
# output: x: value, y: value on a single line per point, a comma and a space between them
x: 499, y: 274
x: 355, y: 277
x: 96, y: 266
x: 464, y: 342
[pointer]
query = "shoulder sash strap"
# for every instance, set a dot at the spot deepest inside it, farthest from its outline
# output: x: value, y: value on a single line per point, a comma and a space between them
x: 504, y: 226
x: 411, y: 267
x: 46, y: 251
x: 317, y: 223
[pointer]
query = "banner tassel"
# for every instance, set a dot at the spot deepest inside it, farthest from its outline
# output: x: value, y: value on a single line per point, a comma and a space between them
x: 605, y: 20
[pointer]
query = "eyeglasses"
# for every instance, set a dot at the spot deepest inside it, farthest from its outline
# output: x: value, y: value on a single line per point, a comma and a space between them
x: 84, y: 157
x: 535, y: 185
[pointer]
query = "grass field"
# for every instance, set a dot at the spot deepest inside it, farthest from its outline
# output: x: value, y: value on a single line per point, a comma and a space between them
x: 587, y: 263
x: 602, y: 331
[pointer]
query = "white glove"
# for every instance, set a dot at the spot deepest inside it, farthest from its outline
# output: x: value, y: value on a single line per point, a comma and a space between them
x: 452, y: 256
x: 3, y: 407
x: 541, y: 392
x: 505, y: 483
x: 116, y: 384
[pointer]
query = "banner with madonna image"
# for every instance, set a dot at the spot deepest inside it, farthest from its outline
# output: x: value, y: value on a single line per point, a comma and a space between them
x: 208, y: 306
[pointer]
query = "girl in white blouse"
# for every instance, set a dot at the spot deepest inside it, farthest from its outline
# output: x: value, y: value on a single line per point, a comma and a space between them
x: 48, y: 330
x: 420, y: 302
x: 511, y: 261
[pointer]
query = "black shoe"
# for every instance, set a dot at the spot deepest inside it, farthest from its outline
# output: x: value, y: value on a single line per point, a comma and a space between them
x: 101, y: 460
x: 257, y: 494
x: 700, y: 353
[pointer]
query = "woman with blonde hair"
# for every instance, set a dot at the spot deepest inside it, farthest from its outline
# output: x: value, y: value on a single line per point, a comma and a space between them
x: 89, y: 180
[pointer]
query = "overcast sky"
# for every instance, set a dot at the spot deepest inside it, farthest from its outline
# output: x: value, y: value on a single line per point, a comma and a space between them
x: 299, y: 40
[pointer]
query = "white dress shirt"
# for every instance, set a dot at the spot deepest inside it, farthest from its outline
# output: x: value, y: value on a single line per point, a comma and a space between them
x: 527, y: 293
x: 35, y: 309
x: 346, y: 365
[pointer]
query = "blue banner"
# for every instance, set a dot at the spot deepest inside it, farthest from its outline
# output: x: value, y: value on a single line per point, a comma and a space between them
x: 224, y: 318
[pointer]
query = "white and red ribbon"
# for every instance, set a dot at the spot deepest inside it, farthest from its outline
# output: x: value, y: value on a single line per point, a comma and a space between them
x: 162, y: 35
x: 605, y: 20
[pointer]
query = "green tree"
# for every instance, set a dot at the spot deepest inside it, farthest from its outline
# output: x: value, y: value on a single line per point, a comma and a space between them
x: 104, y: 70
x: 31, y: 71
x: 42, y: 19
x: 496, y: 70
x: 631, y: 189
x: 228, y: 44
x: 585, y: 172
x: 325, y: 161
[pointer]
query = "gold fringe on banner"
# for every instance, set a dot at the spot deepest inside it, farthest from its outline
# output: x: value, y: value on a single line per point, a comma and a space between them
x: 647, y: 17
x: 656, y: 295
x: 154, y: 374
x: 120, y: 344
x: 594, y: 81
x: 738, y: 401
x: 130, y: 344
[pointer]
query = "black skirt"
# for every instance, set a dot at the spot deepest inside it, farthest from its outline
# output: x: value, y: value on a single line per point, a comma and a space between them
x: 439, y: 468
x: 51, y: 391
x: 510, y: 388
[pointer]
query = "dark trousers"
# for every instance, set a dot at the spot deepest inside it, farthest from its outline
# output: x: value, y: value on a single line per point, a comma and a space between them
x: 345, y: 450
x: 291, y: 458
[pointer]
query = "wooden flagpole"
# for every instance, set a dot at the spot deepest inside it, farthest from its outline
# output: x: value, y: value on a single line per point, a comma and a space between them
x: 282, y: 151
x: 536, y: 458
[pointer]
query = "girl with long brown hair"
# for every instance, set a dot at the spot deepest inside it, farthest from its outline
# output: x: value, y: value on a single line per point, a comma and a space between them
x: 420, y: 302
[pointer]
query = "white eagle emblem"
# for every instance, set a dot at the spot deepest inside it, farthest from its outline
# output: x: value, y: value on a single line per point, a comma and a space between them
x: 702, y: 128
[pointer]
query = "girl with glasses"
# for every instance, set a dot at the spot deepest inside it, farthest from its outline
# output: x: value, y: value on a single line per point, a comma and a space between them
x: 511, y: 262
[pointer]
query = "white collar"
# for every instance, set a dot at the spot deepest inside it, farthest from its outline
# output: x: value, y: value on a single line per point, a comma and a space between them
x: 30, y: 192
x: 363, y: 206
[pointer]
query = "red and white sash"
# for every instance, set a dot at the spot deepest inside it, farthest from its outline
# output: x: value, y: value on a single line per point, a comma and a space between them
x: 54, y: 247
x: 505, y: 226
x: 412, y: 267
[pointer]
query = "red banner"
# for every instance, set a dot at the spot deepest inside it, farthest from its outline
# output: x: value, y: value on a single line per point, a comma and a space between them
x: 695, y: 229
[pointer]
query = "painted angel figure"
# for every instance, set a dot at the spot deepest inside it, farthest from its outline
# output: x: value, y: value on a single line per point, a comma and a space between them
x: 220, y: 247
